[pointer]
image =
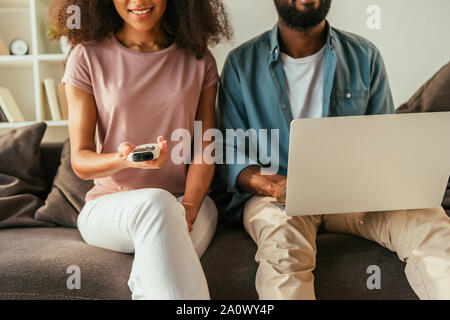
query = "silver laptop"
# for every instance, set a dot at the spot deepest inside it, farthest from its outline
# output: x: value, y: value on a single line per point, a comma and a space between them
x: 368, y: 163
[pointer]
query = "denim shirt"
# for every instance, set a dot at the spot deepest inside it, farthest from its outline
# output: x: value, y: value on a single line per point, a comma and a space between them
x: 253, y: 93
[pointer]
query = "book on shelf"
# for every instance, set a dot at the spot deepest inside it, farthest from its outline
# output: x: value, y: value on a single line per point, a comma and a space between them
x: 45, y: 109
x: 3, y: 117
x: 4, y: 51
x: 63, y: 104
x: 9, y: 106
x: 52, y: 99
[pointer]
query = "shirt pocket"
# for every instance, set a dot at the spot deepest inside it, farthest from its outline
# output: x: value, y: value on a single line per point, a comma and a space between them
x: 350, y: 103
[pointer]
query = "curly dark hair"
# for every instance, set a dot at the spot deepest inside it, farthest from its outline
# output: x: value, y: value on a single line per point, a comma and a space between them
x: 193, y: 24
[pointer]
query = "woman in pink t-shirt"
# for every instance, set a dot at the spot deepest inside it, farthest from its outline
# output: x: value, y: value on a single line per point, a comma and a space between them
x: 139, y: 71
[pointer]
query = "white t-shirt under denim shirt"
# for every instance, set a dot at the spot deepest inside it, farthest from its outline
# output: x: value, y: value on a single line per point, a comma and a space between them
x: 304, y: 81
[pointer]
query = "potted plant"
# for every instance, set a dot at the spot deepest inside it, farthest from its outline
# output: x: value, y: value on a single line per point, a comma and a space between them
x: 52, y: 34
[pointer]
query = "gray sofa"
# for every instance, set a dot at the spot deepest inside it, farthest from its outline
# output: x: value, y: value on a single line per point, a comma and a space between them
x: 34, y: 261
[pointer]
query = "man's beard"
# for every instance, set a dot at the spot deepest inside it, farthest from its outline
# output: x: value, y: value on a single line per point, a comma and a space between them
x: 302, y: 20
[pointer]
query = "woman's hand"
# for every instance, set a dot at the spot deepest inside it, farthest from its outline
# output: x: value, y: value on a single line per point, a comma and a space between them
x: 191, y: 215
x: 126, y: 148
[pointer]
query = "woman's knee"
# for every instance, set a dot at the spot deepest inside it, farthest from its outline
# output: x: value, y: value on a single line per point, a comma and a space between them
x: 157, y: 206
x: 156, y: 199
x: 209, y: 209
x: 204, y: 226
x: 153, y: 194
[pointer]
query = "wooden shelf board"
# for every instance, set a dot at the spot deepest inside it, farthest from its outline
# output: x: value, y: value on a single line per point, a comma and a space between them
x: 14, y: 4
x: 16, y: 60
x: 52, y: 57
x: 12, y: 125
x: 62, y: 123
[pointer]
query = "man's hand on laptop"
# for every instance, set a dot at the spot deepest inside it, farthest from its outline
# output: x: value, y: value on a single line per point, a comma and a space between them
x: 251, y: 180
x: 280, y: 189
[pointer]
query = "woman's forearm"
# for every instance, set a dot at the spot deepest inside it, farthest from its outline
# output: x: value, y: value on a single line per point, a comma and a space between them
x: 198, y: 182
x: 200, y: 173
x: 86, y: 163
x: 89, y: 165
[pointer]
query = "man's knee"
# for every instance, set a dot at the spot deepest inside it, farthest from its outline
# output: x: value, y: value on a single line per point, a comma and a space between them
x: 259, y: 213
x: 404, y: 230
x: 432, y: 217
x: 429, y: 223
x: 284, y: 242
x: 435, y: 213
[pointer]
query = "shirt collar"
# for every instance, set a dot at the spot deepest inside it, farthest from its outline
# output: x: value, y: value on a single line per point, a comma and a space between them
x: 275, y: 44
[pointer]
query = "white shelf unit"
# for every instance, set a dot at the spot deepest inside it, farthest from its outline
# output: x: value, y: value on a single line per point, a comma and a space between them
x: 23, y: 75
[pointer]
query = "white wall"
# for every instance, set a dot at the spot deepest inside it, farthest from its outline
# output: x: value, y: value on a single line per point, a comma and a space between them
x: 414, y: 37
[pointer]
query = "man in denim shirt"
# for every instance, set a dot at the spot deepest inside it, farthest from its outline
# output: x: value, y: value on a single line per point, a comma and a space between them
x: 303, y: 68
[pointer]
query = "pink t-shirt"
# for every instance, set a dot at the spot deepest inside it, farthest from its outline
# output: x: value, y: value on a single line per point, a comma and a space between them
x: 140, y: 96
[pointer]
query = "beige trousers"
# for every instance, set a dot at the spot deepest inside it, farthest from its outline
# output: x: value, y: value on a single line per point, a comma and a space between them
x: 287, y: 246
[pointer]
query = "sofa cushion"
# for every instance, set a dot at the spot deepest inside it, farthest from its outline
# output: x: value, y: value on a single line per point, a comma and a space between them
x: 22, y: 182
x: 34, y: 262
x: 341, y: 272
x: 433, y: 96
x: 446, y: 203
x: 341, y: 267
x: 66, y: 199
x: 50, y: 161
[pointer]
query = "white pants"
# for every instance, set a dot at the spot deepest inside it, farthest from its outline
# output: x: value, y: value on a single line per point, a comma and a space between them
x: 151, y: 223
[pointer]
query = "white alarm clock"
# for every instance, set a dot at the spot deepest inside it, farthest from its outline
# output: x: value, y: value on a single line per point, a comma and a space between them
x: 18, y: 47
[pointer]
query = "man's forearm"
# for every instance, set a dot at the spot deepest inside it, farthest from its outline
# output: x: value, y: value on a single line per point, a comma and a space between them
x: 252, y: 181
